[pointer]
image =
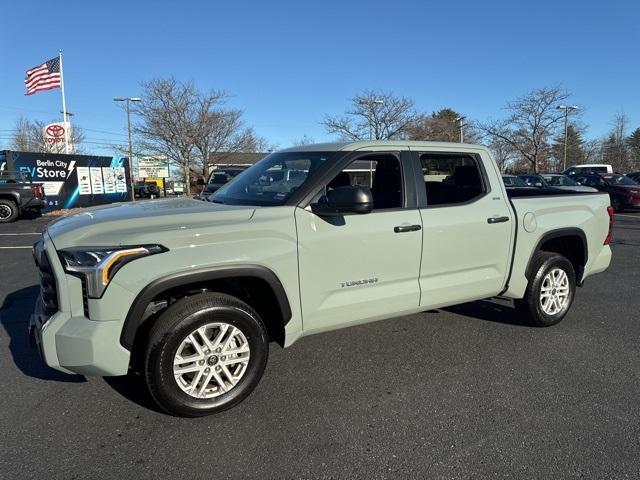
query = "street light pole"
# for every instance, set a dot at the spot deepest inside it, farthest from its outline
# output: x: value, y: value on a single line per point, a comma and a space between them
x: 460, y: 125
x: 567, y: 109
x: 370, y: 103
x: 126, y: 101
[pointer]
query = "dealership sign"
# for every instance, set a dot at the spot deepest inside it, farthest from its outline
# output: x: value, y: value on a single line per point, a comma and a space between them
x: 153, y: 167
x: 56, y: 136
x: 71, y: 181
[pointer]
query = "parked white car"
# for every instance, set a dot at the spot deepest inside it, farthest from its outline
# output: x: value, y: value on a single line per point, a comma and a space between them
x: 588, y: 168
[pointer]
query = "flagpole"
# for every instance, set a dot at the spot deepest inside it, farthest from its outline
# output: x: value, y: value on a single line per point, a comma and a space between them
x: 64, y: 106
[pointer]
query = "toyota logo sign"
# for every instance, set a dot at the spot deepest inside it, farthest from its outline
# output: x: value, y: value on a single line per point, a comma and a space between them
x: 56, y: 131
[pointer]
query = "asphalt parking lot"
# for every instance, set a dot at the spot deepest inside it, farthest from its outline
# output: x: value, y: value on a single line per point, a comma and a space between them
x: 466, y: 392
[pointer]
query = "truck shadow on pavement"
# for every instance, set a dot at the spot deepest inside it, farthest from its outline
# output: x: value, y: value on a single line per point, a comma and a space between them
x: 132, y: 388
x: 14, y: 317
x: 488, y: 310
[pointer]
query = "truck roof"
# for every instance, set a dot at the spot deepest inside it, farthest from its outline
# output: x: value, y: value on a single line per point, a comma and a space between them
x: 376, y: 144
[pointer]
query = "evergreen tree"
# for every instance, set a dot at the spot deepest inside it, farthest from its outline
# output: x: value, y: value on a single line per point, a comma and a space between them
x: 633, y: 144
x: 575, y: 148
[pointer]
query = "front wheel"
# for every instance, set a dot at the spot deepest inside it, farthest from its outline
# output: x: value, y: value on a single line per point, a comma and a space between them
x: 550, y: 292
x: 205, y: 354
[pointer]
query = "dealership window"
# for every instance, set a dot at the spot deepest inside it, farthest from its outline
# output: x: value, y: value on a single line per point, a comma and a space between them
x: 451, y: 179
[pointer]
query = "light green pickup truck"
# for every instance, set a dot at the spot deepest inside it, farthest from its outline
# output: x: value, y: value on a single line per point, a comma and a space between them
x: 190, y: 294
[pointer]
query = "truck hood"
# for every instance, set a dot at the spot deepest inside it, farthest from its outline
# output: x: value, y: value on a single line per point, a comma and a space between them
x: 141, y: 222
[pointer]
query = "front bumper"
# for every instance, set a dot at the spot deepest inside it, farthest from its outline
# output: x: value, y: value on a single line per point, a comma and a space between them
x: 77, y: 344
x: 67, y: 339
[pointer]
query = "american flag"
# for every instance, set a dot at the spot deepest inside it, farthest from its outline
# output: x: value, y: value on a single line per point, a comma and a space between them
x: 43, y: 77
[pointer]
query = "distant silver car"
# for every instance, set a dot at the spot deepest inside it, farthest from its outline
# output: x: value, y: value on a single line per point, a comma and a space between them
x: 565, y: 182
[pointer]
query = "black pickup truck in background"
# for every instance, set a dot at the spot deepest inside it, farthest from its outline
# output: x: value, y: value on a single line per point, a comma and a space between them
x: 18, y: 194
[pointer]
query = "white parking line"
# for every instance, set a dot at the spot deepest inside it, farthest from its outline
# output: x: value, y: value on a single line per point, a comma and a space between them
x: 13, y: 234
x: 13, y: 247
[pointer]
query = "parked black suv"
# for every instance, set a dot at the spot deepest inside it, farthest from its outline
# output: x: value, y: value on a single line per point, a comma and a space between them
x: 144, y: 189
x: 18, y: 194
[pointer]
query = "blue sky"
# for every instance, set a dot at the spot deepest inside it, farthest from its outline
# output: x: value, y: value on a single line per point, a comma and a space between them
x: 288, y: 63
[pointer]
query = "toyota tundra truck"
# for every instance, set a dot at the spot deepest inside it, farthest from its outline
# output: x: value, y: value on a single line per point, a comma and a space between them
x: 189, y: 295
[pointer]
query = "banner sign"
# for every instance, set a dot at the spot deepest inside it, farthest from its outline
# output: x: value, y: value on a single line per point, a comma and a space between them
x: 55, y: 135
x: 153, y: 167
x: 75, y: 180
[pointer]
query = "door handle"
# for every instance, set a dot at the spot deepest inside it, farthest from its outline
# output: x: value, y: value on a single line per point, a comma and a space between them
x: 407, y: 228
x: 497, y: 219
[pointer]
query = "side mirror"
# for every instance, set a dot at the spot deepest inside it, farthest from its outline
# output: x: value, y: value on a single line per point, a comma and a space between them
x: 347, y: 199
x: 538, y: 184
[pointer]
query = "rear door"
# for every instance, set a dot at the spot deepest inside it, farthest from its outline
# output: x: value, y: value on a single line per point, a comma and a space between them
x: 467, y: 229
x: 362, y: 267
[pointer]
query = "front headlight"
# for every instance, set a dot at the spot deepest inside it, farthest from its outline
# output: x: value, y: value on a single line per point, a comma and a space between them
x: 98, y: 265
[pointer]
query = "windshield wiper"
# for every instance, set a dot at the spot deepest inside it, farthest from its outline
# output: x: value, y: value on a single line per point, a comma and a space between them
x: 217, y: 201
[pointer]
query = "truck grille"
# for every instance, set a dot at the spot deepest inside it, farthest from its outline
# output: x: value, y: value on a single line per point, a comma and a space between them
x: 48, y: 288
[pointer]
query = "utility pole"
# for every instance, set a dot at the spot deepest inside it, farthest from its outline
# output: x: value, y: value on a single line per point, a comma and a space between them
x: 567, y: 109
x: 126, y: 101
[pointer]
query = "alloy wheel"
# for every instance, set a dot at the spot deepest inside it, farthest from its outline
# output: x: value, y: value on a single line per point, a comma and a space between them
x: 211, y: 360
x: 554, y: 292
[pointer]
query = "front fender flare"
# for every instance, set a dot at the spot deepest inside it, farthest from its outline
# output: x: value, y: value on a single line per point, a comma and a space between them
x: 133, y: 319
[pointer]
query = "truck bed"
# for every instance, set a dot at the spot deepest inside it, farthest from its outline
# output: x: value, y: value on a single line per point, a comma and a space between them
x: 519, y: 192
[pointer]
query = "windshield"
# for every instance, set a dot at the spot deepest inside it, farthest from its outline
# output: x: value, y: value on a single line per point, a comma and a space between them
x: 218, y: 178
x: 559, y: 181
x: 271, y: 181
x: 513, y: 182
x: 619, y: 180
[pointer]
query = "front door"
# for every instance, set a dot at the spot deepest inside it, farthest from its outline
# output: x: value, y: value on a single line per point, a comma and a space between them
x: 361, y: 267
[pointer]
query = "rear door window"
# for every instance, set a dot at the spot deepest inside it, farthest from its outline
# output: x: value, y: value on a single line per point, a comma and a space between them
x: 452, y: 179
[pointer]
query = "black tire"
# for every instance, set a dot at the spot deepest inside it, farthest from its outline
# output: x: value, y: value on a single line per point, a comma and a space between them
x: 174, y: 325
x: 8, y: 211
x: 529, y: 307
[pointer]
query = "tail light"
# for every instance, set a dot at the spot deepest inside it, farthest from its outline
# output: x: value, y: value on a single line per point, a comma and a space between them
x: 37, y: 191
x: 612, y: 217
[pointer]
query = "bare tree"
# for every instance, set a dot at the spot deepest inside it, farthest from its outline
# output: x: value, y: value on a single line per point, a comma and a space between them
x: 257, y: 144
x: 190, y: 127
x: 28, y: 136
x: 531, y: 124
x: 167, y: 123
x: 375, y: 115
x: 592, y: 151
x: 445, y: 125
x: 615, y: 148
x: 218, y: 132
x: 304, y: 140
x: 503, y: 152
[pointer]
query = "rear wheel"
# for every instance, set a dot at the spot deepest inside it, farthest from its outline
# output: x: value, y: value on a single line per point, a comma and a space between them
x: 206, y: 353
x: 550, y: 292
x: 8, y: 211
